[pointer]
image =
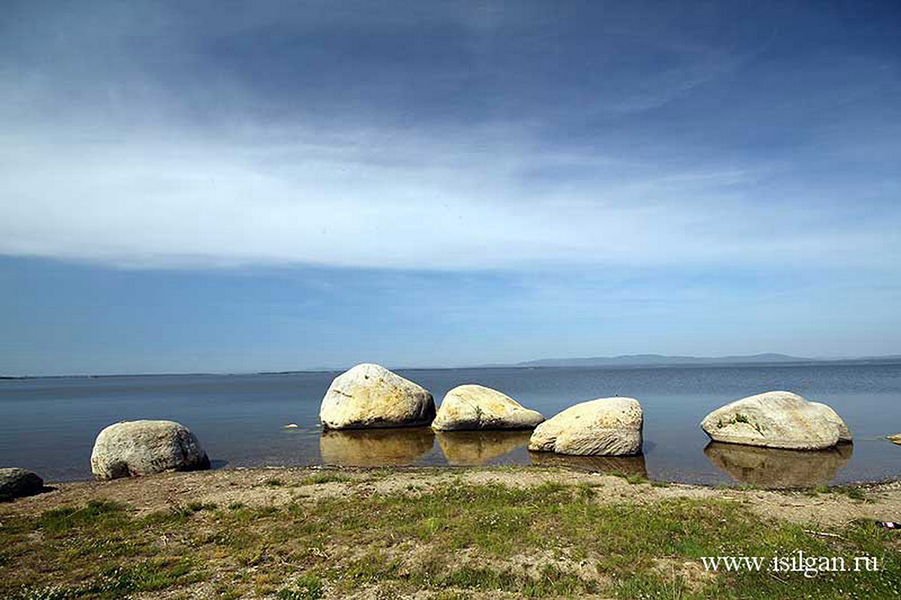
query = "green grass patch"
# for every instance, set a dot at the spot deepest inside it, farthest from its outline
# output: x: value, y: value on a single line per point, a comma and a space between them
x: 95, y: 513
x: 307, y: 587
x: 320, y: 478
x: 453, y: 539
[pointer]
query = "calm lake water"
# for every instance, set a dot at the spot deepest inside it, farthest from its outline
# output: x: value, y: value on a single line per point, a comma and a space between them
x: 49, y: 425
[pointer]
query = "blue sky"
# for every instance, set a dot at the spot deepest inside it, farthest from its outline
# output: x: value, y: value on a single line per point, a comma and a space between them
x: 268, y: 186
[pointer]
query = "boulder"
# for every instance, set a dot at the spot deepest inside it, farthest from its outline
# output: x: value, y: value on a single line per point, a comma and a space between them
x: 369, y: 396
x: 15, y: 483
x: 479, y: 407
x: 776, y: 420
x: 135, y: 448
x: 895, y: 439
x: 602, y: 427
x: 844, y: 434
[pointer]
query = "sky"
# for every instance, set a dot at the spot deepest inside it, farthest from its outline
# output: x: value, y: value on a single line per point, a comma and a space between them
x: 239, y: 187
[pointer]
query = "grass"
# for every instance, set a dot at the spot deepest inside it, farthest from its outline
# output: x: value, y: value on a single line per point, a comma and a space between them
x: 853, y: 492
x: 454, y: 539
x: 307, y: 587
x: 632, y: 478
x: 317, y: 479
x: 100, y: 549
x: 320, y: 478
x: 740, y: 418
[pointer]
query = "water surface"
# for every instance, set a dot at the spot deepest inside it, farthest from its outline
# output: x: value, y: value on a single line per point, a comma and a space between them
x: 49, y: 425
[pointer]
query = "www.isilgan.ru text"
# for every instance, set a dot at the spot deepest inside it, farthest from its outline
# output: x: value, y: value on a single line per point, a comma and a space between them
x: 809, y: 566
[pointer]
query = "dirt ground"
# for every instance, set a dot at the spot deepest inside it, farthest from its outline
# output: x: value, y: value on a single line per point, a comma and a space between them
x: 282, y: 485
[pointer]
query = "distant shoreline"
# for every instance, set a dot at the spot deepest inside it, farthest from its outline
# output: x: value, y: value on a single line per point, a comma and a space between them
x: 697, y: 363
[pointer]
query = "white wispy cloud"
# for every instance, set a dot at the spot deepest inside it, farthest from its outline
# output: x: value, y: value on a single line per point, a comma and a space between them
x: 103, y: 159
x: 398, y: 201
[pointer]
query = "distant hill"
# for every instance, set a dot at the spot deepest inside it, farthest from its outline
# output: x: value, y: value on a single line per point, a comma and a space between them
x: 647, y: 360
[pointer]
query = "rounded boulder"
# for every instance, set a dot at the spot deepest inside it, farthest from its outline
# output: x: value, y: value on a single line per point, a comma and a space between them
x: 15, y: 483
x: 371, y: 396
x: 136, y: 448
x: 478, y: 407
x: 776, y: 420
x: 602, y: 427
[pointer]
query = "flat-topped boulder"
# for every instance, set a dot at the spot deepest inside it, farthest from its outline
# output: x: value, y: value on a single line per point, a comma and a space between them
x: 473, y: 406
x: 602, y: 427
x: 136, y: 448
x: 777, y: 420
x: 15, y: 483
x: 371, y: 396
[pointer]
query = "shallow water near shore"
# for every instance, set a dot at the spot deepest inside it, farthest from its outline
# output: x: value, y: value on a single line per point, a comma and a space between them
x: 49, y: 425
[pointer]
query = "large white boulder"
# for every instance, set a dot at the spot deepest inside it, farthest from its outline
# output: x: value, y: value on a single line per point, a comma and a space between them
x: 602, y: 427
x: 478, y: 407
x: 370, y: 395
x: 776, y: 420
x: 135, y: 448
x: 844, y: 434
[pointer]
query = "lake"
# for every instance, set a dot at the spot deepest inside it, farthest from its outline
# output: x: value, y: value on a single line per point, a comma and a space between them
x: 48, y: 425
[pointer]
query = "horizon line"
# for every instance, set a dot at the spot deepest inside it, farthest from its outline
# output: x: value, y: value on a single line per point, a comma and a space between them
x: 527, y: 364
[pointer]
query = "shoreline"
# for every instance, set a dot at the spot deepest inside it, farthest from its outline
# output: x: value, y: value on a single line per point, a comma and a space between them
x: 184, y: 484
x: 427, y: 468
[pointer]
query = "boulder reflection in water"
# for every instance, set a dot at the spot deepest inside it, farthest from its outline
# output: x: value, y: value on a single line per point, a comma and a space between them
x: 478, y: 447
x: 778, y: 468
x: 627, y: 465
x: 375, y: 447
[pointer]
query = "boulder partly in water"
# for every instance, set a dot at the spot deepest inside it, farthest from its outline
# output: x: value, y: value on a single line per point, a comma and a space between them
x: 844, y: 434
x: 602, y: 427
x: 371, y: 396
x: 478, y: 407
x: 136, y: 448
x: 776, y: 420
